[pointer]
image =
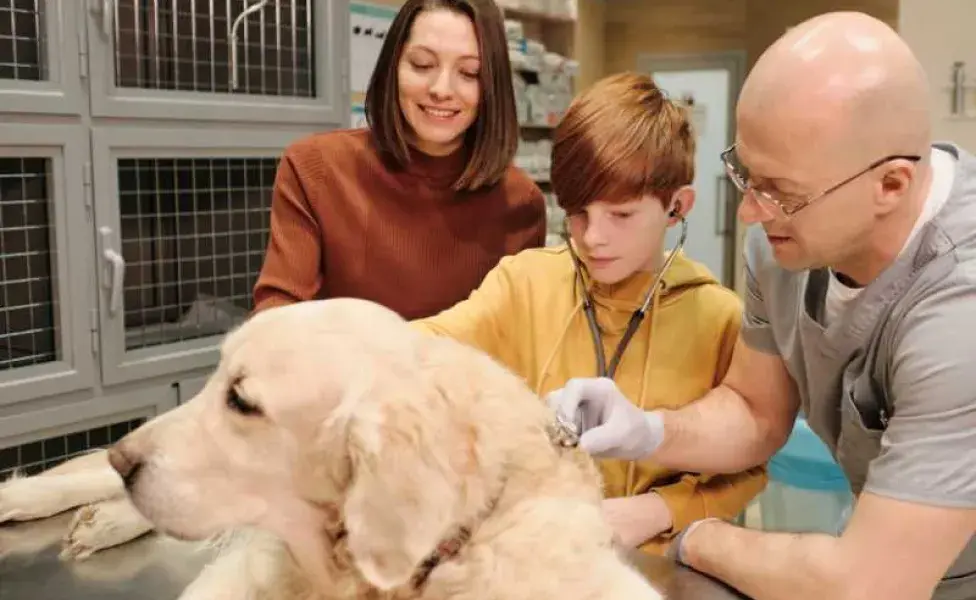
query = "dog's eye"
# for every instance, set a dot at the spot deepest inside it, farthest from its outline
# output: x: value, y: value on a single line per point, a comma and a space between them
x: 239, y: 405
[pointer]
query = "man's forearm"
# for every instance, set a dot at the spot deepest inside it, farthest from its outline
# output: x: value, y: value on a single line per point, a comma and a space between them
x: 718, y: 434
x: 765, y: 565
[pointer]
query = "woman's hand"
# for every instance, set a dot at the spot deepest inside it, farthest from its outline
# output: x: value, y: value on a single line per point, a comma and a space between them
x: 637, y: 519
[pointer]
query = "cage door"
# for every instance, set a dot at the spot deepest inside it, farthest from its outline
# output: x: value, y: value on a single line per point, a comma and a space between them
x: 45, y: 320
x: 182, y: 229
x: 40, y: 57
x: 224, y: 60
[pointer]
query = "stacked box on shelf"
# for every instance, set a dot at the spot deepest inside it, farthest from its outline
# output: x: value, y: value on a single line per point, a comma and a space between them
x: 543, y: 80
x: 535, y: 157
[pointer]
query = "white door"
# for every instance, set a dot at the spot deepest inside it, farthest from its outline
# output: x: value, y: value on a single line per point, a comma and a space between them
x: 708, y: 93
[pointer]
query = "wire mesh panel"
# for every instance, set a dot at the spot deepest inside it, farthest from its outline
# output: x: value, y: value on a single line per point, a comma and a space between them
x: 28, y: 334
x: 194, y: 232
x: 224, y: 46
x: 22, y: 40
x: 33, y: 457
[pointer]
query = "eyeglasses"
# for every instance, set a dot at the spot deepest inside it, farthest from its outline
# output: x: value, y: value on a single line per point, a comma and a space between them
x: 790, y: 204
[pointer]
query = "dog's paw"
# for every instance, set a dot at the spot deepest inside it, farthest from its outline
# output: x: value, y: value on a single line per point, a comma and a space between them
x: 31, y: 498
x: 103, y: 525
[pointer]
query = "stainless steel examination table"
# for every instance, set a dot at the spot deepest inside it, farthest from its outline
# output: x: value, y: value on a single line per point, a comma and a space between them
x: 157, y: 568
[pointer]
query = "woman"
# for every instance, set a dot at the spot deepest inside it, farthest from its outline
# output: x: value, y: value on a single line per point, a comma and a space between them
x: 414, y: 211
x: 623, y: 164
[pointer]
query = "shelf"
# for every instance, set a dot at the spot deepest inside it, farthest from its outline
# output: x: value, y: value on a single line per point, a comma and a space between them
x: 535, y: 15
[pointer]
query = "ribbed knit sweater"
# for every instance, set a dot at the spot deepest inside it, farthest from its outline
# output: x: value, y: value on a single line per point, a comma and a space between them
x: 345, y: 225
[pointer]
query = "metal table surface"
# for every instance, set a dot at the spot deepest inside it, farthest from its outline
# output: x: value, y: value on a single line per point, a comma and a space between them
x: 158, y: 568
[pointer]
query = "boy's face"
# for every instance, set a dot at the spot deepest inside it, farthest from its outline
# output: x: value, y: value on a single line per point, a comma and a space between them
x: 616, y: 240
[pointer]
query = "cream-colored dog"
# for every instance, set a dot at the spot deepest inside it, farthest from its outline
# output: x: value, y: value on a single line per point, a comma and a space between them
x: 367, y: 460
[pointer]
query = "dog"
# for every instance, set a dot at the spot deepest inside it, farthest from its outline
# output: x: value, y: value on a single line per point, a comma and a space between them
x: 340, y: 453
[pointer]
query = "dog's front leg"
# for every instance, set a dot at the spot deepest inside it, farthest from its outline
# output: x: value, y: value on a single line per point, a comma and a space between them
x: 250, y: 565
x: 103, y: 525
x: 83, y: 480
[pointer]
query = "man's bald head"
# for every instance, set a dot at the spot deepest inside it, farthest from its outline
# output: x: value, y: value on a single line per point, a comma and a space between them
x: 841, y: 82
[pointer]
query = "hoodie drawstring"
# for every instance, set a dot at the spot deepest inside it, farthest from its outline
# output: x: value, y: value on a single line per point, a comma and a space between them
x: 555, y: 347
x: 645, y: 377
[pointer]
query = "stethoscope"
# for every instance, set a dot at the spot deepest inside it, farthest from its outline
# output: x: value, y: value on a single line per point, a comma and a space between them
x: 635, y: 319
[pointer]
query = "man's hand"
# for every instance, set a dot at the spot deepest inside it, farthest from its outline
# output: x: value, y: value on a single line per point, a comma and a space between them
x: 878, y: 555
x: 636, y: 519
x: 612, y: 426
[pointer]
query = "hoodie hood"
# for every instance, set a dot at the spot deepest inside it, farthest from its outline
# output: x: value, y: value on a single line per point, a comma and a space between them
x: 628, y: 295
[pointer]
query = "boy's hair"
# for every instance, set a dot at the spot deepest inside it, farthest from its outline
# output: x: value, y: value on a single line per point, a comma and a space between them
x: 620, y: 140
x: 492, y: 139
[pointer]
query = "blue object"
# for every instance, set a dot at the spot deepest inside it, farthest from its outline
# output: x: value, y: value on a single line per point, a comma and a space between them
x: 805, y: 462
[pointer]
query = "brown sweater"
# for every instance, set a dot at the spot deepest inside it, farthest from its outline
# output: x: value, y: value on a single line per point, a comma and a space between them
x: 343, y: 224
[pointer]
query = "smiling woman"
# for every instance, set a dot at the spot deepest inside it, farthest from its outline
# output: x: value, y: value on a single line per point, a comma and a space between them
x: 413, y: 212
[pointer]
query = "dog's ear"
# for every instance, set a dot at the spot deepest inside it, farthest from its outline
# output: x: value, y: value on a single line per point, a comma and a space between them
x: 404, y: 496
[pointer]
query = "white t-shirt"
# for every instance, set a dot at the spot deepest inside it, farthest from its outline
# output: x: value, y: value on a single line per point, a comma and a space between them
x: 943, y: 172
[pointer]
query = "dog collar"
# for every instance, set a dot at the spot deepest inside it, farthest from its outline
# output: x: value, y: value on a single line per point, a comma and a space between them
x: 446, y: 550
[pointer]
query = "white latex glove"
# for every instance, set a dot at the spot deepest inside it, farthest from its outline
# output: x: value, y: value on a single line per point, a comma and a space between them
x: 612, y: 426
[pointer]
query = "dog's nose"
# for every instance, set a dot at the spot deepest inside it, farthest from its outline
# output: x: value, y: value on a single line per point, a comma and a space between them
x: 124, y: 464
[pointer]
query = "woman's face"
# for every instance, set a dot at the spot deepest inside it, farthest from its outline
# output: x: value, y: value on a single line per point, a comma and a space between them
x: 616, y: 240
x: 438, y: 77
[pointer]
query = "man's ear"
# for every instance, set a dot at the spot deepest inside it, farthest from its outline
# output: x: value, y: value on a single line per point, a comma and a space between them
x: 405, y: 493
x: 682, y: 201
x: 895, y: 183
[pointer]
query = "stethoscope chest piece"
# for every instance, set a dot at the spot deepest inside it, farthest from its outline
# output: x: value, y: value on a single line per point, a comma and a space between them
x: 563, y: 433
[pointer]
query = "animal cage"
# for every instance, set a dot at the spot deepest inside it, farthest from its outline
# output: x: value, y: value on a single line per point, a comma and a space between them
x: 188, y: 45
x: 27, y: 315
x: 22, y: 41
x: 194, y: 231
x: 134, y: 216
x: 264, y: 53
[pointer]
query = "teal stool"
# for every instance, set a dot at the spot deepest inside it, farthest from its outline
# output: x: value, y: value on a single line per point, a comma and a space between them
x: 807, y: 490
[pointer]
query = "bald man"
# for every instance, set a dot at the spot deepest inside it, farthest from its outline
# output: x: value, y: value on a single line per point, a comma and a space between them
x: 860, y: 310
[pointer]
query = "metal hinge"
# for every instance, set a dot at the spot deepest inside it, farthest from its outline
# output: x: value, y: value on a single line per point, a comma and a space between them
x: 82, y: 49
x: 83, y: 63
x: 86, y: 181
x: 93, y: 326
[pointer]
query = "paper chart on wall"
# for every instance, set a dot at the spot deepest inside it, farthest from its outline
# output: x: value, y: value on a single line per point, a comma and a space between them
x: 369, y: 24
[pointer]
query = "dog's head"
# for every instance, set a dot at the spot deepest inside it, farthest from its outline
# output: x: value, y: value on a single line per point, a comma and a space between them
x: 334, y: 410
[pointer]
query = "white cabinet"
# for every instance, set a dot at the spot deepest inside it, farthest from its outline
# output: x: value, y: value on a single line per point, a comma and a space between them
x: 139, y: 141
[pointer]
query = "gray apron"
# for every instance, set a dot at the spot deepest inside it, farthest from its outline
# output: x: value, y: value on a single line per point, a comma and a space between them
x: 859, y: 350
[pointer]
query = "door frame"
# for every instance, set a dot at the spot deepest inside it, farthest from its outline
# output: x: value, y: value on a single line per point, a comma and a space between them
x: 735, y: 62
x: 64, y: 146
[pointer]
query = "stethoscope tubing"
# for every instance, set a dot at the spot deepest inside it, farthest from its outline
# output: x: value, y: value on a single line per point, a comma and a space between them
x: 635, y: 319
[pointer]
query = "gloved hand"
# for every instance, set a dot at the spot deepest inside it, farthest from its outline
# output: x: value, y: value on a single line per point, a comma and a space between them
x: 612, y: 426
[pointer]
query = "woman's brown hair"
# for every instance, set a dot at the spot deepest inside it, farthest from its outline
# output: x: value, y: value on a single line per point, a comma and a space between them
x: 492, y: 139
x: 620, y: 140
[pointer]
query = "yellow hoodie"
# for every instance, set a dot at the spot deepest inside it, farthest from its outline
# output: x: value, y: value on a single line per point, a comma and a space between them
x: 527, y: 314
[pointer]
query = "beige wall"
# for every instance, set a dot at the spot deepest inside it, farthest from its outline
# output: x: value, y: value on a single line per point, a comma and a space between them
x: 940, y: 33
x: 671, y: 26
x: 768, y: 20
x: 590, y: 41
x: 634, y: 27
